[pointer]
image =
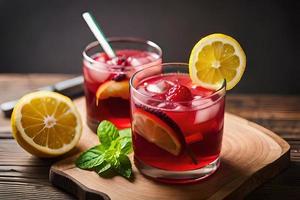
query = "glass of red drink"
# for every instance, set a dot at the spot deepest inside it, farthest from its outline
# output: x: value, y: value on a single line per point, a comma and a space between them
x: 177, y: 126
x: 106, y: 81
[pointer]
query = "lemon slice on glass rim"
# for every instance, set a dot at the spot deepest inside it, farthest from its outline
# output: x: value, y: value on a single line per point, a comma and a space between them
x: 46, y: 124
x: 214, y: 58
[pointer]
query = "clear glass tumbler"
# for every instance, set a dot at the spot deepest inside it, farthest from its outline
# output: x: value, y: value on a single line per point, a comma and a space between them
x: 177, y: 126
x: 106, y: 80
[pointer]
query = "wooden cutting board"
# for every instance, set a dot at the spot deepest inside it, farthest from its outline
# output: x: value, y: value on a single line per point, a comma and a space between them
x: 250, y: 155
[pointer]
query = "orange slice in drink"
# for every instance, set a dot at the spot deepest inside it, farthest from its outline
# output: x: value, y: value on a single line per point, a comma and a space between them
x: 113, y: 89
x: 156, y: 131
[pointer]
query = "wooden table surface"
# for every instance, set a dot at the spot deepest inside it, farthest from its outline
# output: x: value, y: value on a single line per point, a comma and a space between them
x: 23, y: 176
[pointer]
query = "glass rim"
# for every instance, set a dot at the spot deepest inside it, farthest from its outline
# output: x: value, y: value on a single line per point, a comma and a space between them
x: 216, y: 92
x: 120, y: 39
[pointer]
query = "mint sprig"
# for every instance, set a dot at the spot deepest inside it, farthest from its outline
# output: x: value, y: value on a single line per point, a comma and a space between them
x: 111, y: 154
x: 107, y: 132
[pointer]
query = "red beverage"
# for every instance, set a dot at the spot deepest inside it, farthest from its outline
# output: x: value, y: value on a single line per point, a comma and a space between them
x: 106, y: 82
x: 177, y: 126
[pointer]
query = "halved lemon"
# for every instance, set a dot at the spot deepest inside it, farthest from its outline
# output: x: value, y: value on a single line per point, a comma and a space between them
x: 214, y: 58
x: 46, y: 124
x: 113, y: 89
x: 156, y: 131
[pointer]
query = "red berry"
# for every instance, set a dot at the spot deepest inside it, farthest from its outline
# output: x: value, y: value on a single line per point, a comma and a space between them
x: 179, y: 93
x: 119, y: 77
x: 120, y: 60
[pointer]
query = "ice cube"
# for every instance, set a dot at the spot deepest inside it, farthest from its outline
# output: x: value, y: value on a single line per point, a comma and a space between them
x: 180, y: 107
x: 201, y: 102
x: 154, y: 88
x: 161, y: 105
x: 96, y: 72
x: 167, y: 105
x: 197, y: 97
x: 205, y: 114
x: 197, y: 101
x: 138, y: 61
x: 159, y: 87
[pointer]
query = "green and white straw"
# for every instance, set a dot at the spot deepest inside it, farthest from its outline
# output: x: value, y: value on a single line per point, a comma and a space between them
x: 98, y: 33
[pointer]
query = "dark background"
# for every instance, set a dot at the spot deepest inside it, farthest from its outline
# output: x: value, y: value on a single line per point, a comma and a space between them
x: 48, y: 36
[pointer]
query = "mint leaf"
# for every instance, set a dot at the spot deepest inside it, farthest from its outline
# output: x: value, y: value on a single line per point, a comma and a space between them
x: 104, y: 167
x: 124, y: 166
x: 125, y: 141
x: 126, y: 145
x: 119, y: 162
x: 112, y: 156
x: 125, y: 132
x: 91, y: 158
x: 107, y: 132
x: 115, y: 146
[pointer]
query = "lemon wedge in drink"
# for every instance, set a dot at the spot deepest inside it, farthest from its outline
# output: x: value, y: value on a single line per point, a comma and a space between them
x: 214, y: 58
x: 46, y: 124
x: 156, y: 131
x: 113, y: 89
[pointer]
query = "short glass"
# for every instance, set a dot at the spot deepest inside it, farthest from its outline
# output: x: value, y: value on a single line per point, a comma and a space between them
x: 106, y: 81
x: 175, y: 142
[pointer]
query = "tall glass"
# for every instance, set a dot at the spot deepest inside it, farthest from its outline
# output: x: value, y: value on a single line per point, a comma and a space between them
x: 175, y: 140
x: 106, y: 81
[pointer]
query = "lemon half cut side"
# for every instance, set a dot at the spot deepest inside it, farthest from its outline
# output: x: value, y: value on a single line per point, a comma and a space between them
x: 46, y: 124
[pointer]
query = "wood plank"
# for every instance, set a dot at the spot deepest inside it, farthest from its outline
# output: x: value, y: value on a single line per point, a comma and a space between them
x: 12, y: 154
x: 30, y: 172
x: 21, y: 84
x: 288, y: 129
x: 24, y: 190
x: 271, y: 102
x: 284, y: 186
x: 23, y: 176
x: 267, y: 107
x: 5, y: 135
